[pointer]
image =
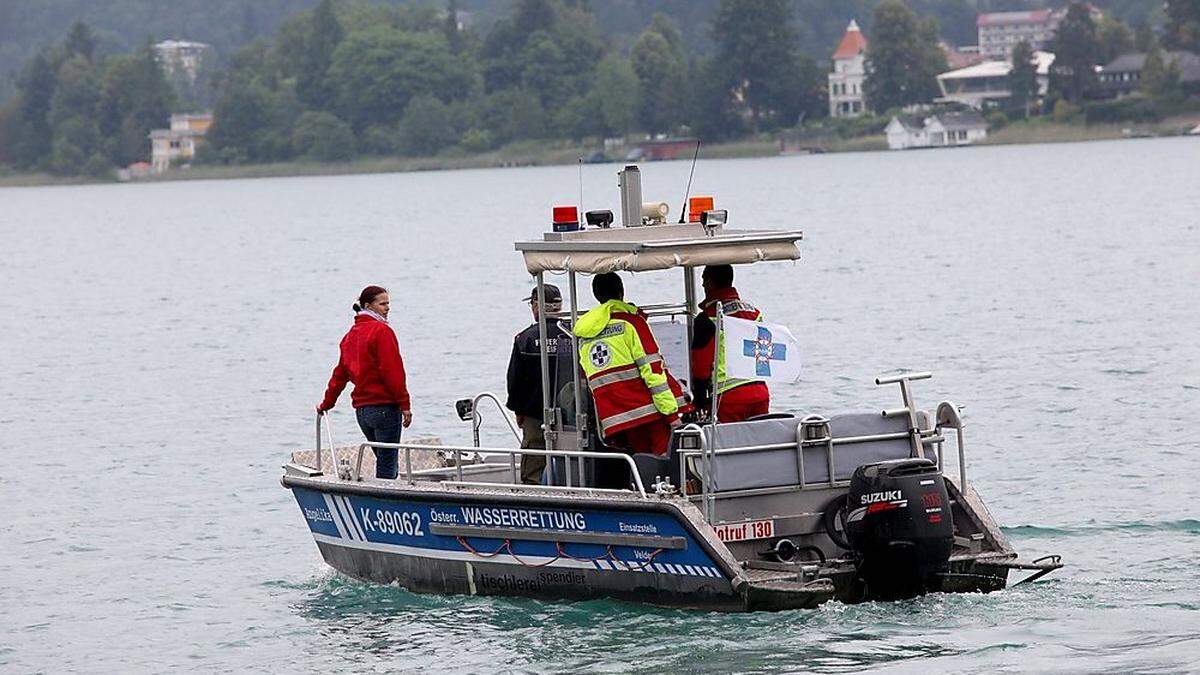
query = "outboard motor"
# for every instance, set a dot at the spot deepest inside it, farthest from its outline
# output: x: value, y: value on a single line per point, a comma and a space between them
x: 898, y: 521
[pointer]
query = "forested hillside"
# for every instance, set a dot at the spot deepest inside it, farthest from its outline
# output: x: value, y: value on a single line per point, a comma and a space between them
x: 28, y: 26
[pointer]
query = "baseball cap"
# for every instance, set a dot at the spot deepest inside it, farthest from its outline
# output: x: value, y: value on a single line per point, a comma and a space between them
x: 553, y: 295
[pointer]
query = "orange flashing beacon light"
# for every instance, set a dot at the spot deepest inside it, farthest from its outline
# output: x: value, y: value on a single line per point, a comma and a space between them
x: 697, y: 205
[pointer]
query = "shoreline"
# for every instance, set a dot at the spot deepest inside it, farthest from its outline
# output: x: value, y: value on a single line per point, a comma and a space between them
x: 530, y: 154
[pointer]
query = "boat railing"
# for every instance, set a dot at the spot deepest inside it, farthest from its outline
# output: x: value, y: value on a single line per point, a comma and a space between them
x: 458, y: 450
x: 344, y: 472
x: 813, y: 431
x: 650, y: 310
x: 477, y: 419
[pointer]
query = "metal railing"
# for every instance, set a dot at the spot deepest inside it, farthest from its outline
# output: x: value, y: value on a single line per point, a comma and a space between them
x: 813, y: 431
x: 947, y: 417
x: 707, y: 454
x: 329, y: 433
x: 458, y: 450
x: 408, y: 448
x: 477, y: 419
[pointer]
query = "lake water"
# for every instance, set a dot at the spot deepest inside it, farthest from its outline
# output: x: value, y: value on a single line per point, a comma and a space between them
x: 163, y: 345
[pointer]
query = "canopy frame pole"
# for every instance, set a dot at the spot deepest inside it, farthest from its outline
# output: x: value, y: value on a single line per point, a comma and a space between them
x: 581, y: 442
x: 689, y: 294
x: 712, y: 450
x: 544, y: 358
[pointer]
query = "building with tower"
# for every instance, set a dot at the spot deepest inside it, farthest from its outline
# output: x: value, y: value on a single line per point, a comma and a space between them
x: 849, y: 71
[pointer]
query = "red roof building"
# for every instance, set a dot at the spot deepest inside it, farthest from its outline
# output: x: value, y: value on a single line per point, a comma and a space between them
x: 961, y: 57
x: 849, y: 72
x: 853, y: 43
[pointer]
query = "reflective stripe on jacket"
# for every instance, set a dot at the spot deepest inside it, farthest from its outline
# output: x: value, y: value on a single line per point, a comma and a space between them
x: 625, y: 371
x: 702, y: 353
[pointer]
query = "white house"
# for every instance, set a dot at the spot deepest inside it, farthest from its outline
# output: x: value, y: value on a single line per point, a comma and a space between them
x: 181, y: 57
x: 939, y: 130
x: 988, y: 82
x: 178, y: 144
x: 906, y: 131
x: 846, y: 96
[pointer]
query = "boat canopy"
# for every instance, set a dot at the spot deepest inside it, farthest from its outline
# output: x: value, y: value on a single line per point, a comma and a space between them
x: 657, y: 247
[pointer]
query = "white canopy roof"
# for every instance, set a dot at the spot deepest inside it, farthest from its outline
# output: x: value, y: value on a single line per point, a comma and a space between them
x: 660, y: 247
x: 1042, y: 61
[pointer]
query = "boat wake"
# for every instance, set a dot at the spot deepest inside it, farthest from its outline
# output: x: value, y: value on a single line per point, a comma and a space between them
x: 1187, y: 525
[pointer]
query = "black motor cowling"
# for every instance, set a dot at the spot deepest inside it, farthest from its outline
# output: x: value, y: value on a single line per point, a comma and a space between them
x: 898, y: 521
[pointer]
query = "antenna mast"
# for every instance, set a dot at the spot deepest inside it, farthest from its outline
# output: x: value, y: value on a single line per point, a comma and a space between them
x: 683, y: 212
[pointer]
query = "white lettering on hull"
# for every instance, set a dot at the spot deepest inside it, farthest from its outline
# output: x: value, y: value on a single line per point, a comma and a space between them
x: 545, y: 520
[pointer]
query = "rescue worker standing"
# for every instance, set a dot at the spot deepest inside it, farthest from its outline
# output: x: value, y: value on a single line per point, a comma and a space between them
x: 637, y: 401
x: 738, y: 399
x: 525, y: 380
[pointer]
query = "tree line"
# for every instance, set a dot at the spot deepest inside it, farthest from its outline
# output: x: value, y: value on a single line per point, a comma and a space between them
x: 349, y: 78
x: 1082, y: 42
x: 76, y: 113
x: 121, y: 25
x: 903, y: 60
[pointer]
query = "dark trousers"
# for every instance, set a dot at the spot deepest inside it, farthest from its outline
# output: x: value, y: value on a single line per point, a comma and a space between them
x: 381, y: 424
x: 532, y: 437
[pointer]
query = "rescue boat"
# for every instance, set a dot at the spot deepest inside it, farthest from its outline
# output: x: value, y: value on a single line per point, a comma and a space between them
x: 788, y: 510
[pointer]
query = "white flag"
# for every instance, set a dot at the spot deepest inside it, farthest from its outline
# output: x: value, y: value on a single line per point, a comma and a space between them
x: 760, y: 351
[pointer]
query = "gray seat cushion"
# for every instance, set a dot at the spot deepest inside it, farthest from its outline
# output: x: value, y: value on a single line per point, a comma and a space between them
x: 778, y: 467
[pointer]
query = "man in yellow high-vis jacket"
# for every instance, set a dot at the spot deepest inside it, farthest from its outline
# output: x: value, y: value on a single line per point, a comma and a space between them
x: 637, y: 400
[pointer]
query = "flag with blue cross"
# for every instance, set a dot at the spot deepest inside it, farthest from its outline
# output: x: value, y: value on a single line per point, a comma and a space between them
x: 760, y: 351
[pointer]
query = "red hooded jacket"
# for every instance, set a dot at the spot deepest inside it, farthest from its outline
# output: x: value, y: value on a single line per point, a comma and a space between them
x: 370, y: 358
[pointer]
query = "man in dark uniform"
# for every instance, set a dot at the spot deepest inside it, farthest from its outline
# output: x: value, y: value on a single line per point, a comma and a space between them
x: 525, y: 380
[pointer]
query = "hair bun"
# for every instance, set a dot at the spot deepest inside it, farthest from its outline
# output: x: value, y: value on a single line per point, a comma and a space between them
x: 356, y: 307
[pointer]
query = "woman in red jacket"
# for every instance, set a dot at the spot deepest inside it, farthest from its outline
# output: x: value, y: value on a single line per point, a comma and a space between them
x: 370, y: 358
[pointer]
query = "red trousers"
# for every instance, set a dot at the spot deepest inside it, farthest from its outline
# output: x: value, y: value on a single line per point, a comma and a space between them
x: 742, y: 403
x: 652, y: 437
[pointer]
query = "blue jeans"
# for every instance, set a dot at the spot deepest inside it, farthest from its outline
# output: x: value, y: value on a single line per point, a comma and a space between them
x: 381, y: 424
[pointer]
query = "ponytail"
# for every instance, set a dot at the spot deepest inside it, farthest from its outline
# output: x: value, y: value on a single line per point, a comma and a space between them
x: 368, y: 296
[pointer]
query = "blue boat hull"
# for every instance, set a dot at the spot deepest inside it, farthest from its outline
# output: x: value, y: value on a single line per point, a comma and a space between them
x: 490, y: 544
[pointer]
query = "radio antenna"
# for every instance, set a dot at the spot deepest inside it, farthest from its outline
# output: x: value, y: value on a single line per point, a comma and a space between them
x: 683, y: 212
